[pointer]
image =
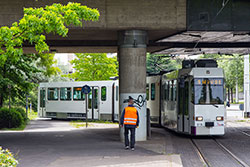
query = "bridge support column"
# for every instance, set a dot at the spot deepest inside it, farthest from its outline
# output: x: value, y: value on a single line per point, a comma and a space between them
x: 132, y: 76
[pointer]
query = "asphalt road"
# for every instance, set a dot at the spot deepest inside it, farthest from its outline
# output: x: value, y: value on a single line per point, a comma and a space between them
x: 56, y: 143
x: 49, y: 143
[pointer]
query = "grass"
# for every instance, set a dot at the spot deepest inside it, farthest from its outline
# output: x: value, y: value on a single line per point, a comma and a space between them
x: 32, y: 115
x: 241, y: 121
x: 22, y: 127
x: 238, y: 102
x: 81, y: 123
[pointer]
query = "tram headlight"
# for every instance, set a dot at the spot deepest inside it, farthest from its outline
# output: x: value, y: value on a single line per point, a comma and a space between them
x: 219, y: 118
x: 199, y: 118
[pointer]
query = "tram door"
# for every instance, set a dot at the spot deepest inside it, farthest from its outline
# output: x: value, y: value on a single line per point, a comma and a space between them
x: 183, y: 106
x: 93, y: 103
x: 42, y: 102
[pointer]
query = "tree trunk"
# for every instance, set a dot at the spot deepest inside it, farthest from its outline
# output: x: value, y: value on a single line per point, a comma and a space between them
x: 232, y: 95
x: 237, y: 92
x: 228, y: 94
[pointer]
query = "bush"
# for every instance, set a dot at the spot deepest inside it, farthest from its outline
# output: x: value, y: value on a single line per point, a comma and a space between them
x: 10, y: 119
x: 7, y: 159
x: 22, y: 112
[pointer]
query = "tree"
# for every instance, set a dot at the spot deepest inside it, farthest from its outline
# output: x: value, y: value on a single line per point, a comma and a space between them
x: 232, y: 66
x: 94, y: 66
x: 18, y: 70
x: 158, y: 63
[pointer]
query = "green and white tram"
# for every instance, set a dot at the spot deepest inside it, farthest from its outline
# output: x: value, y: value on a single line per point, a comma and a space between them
x: 190, y: 100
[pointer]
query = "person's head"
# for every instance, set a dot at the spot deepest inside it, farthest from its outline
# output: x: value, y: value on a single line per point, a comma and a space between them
x: 130, y: 101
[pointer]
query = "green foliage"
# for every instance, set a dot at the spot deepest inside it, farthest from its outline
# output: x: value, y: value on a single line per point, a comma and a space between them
x: 10, y: 119
x: 32, y: 115
x: 158, y: 63
x: 94, y: 66
x: 22, y: 112
x: 232, y: 66
x: 91, y: 123
x: 7, y: 159
x: 39, y: 21
x: 21, y: 71
x: 23, y: 74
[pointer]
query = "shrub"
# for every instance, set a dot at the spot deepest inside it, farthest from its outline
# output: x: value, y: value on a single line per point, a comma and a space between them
x: 22, y: 112
x: 7, y: 159
x: 10, y: 119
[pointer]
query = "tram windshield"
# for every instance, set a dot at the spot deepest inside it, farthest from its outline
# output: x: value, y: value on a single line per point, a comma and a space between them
x: 209, y: 91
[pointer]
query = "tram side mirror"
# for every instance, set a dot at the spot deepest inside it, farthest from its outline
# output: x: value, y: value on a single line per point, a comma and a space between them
x: 228, y: 104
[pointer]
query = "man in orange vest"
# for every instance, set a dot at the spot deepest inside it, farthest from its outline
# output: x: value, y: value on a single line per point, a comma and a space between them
x: 130, y: 120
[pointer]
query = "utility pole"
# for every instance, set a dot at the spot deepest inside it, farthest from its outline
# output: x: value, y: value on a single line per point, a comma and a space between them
x: 237, y: 85
x: 246, y: 85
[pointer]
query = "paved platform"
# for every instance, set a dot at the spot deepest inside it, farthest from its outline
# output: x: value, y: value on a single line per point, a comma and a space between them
x: 49, y: 143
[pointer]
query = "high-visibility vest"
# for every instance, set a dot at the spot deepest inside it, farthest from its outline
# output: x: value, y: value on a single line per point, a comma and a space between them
x: 130, y: 116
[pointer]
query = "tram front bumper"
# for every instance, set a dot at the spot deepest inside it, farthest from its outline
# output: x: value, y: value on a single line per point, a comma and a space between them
x: 202, y: 130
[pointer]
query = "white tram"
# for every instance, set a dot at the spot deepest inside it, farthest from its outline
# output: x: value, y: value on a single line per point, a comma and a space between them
x: 190, y: 100
x: 64, y: 100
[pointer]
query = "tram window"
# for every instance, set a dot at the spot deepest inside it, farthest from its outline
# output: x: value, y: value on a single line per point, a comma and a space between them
x: 167, y: 95
x: 180, y: 98
x: 117, y: 93
x: 77, y: 94
x: 90, y: 100
x: 96, y: 99
x: 152, y: 91
x: 52, y: 94
x: 147, y: 91
x: 192, y: 91
x: 42, y: 98
x: 186, y: 100
x: 164, y: 88
x: 103, y: 93
x: 209, y: 91
x: 65, y: 93
x: 172, y: 90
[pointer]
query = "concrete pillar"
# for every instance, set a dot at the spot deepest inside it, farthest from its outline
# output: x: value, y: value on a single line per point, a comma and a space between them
x: 132, y: 75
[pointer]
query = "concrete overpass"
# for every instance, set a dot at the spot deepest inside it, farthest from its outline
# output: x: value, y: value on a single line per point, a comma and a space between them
x: 134, y: 27
x: 160, y: 18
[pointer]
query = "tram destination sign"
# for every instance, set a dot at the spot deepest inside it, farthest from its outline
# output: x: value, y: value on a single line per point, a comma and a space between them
x: 86, y: 89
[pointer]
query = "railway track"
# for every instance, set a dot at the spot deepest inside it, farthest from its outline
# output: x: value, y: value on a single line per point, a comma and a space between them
x: 217, y: 155
x: 238, y: 129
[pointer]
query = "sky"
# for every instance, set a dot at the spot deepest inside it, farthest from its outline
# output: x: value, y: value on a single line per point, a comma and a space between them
x: 63, y: 59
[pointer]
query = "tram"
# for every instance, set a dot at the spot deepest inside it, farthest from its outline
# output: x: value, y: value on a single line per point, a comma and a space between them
x: 65, y: 100
x: 190, y: 100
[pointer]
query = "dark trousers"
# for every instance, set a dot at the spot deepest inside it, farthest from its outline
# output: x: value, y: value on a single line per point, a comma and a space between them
x: 132, y: 137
